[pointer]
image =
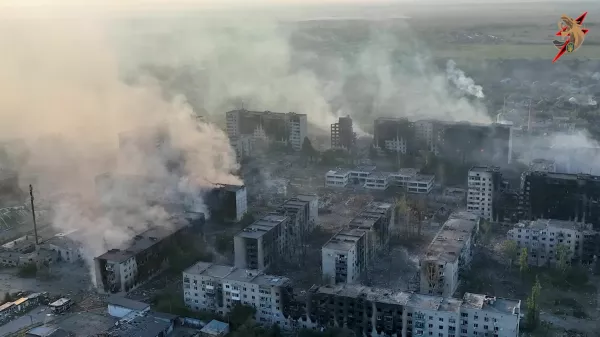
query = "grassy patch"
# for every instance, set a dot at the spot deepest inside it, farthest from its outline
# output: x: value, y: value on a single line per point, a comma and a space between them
x: 512, y: 51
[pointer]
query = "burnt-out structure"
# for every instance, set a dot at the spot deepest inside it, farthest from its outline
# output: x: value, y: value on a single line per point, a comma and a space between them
x: 342, y: 134
x: 123, y: 269
x: 561, y: 196
x: 287, y: 128
x: 227, y: 203
x: 466, y: 142
x: 383, y: 312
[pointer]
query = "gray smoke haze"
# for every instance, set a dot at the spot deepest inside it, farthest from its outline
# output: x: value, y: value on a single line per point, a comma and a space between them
x: 62, y: 96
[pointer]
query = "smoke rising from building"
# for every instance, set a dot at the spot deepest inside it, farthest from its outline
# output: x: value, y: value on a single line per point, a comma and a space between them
x: 62, y: 95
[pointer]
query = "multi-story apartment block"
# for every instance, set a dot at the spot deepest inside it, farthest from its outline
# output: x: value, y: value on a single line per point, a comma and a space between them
x: 484, y: 184
x: 543, y: 237
x: 383, y: 312
x: 121, y: 270
x: 228, y: 203
x: 218, y: 288
x: 288, y: 128
x: 349, y: 253
x: 561, y: 196
x: 243, y: 146
x: 342, y: 134
x: 463, y: 141
x: 448, y: 254
x: 263, y: 243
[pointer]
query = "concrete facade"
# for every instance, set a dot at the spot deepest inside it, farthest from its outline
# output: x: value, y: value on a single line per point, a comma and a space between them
x: 263, y: 243
x: 448, y: 254
x: 483, y: 188
x: 218, y: 288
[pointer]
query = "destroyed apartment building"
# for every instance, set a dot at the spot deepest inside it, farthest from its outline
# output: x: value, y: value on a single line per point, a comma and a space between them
x: 347, y: 256
x: 277, y: 237
x: 266, y: 126
x: 342, y: 134
x: 121, y: 270
x: 384, y: 312
x: 218, y: 288
x: 448, y: 255
x: 227, y: 203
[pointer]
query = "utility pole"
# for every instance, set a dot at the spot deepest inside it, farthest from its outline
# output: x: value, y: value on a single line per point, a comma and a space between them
x: 35, y: 232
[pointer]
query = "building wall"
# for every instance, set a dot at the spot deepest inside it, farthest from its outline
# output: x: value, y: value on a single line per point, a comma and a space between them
x: 332, y: 262
x: 241, y: 203
x: 334, y: 179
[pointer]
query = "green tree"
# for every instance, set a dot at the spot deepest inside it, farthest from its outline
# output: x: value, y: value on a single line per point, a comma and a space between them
x: 240, y: 314
x: 523, y: 263
x: 562, y: 258
x: 533, y: 309
x: 510, y: 251
x: 28, y: 270
x: 308, y: 151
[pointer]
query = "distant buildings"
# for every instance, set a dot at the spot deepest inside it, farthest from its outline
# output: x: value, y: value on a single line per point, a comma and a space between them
x: 383, y: 312
x: 543, y: 237
x: 218, y: 288
x: 463, y: 142
x: 349, y: 253
x: 120, y: 270
x: 448, y: 254
x: 561, y: 196
x: 286, y: 128
x: 342, y: 134
x: 367, y: 177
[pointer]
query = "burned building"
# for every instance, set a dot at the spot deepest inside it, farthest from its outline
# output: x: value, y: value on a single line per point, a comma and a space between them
x: 342, y: 134
x: 561, y: 196
x: 347, y: 256
x: 448, y: 254
x: 384, y: 312
x: 264, y: 243
x: 122, y: 269
x: 286, y: 128
x: 227, y: 203
x: 470, y: 143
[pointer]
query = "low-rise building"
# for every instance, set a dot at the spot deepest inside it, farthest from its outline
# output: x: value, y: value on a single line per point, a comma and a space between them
x: 421, y: 184
x: 120, y: 307
x: 66, y: 247
x: 218, y: 288
x: 215, y: 329
x: 383, y: 312
x: 123, y: 269
x: 448, y: 254
x: 403, y: 176
x: 144, y: 325
x: 359, y: 175
x: 544, y: 238
x: 337, y: 178
x: 378, y: 181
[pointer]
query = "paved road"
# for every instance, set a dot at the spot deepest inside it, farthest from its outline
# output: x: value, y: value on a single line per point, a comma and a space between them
x: 40, y: 314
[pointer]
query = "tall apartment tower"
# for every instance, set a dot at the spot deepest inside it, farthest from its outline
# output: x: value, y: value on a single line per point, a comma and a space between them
x: 484, y: 184
x: 342, y: 134
x: 288, y: 128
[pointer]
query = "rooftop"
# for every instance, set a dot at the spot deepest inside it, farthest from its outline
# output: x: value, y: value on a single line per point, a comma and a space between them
x: 59, y: 302
x: 127, y: 303
x: 215, y: 327
x: 484, y: 169
x: 142, y: 326
x: 345, y: 239
x: 262, y: 226
x: 492, y: 304
x: 142, y: 242
x: 424, y: 302
x: 542, y: 224
x: 365, y: 168
x: 378, y: 175
x: 47, y: 331
x: 64, y: 240
x: 448, y: 243
x: 423, y: 177
x: 406, y: 172
x: 230, y: 188
x: 337, y: 172
x: 230, y: 273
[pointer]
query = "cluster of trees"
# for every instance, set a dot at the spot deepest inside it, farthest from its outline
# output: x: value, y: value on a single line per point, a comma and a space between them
x: 511, y: 252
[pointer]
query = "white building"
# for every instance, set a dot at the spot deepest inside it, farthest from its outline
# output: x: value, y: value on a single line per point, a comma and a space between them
x: 65, y: 246
x: 337, y: 178
x: 344, y: 256
x: 448, y: 253
x: 389, y: 313
x: 377, y: 181
x: 543, y: 237
x: 403, y: 176
x: 218, y: 288
x: 120, y: 307
x: 483, y: 185
x: 421, y: 184
x: 269, y: 126
x: 360, y: 174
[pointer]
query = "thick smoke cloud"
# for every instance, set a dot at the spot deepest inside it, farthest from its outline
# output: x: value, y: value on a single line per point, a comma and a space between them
x: 62, y: 96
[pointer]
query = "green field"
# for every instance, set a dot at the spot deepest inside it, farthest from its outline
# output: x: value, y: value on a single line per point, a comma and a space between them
x: 512, y: 51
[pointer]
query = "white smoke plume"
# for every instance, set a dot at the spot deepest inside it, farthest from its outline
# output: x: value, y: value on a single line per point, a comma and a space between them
x: 62, y: 95
x: 462, y: 82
